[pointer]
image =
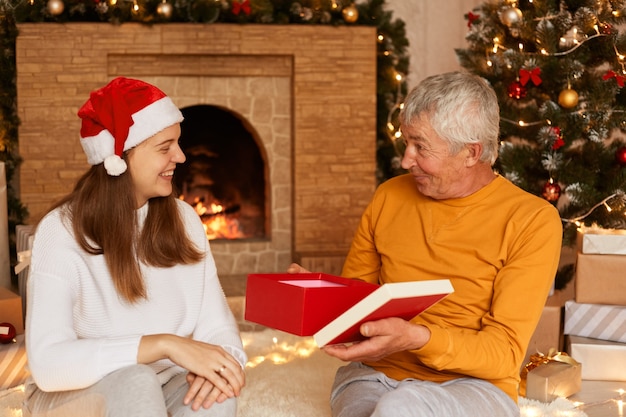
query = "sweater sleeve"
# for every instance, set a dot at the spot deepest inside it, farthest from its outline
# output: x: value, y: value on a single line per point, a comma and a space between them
x: 57, y: 358
x: 520, y: 290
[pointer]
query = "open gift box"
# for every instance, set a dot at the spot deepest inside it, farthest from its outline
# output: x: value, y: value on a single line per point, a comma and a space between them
x: 301, y: 304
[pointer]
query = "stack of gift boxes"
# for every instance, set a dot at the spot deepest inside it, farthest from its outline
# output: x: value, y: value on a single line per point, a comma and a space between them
x: 595, y: 320
x: 13, y: 367
x: 582, y: 331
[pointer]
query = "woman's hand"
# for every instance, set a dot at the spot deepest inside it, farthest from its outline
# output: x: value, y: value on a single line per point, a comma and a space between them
x: 294, y: 268
x: 214, y: 374
x: 202, y: 393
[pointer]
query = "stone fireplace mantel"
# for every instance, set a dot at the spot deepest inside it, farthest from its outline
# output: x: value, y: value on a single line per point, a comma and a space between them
x: 308, y: 91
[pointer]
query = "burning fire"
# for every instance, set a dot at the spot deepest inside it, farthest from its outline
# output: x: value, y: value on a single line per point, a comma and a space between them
x: 217, y: 220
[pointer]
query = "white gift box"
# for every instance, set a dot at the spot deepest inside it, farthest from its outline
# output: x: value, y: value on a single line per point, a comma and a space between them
x: 595, y: 240
x: 594, y: 320
x: 601, y: 360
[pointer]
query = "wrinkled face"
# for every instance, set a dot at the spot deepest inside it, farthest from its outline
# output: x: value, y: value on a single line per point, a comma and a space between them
x: 437, y: 174
x: 151, y: 164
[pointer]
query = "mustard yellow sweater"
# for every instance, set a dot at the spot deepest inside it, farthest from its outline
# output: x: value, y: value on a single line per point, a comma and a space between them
x: 499, y: 247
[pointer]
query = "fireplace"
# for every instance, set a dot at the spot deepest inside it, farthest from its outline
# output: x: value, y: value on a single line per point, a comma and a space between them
x: 305, y: 94
x: 224, y: 177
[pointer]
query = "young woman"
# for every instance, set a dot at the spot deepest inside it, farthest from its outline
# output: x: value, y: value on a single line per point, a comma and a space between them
x: 125, y: 312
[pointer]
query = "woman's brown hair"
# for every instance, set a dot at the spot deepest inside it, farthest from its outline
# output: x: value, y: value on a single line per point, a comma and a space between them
x: 102, y: 211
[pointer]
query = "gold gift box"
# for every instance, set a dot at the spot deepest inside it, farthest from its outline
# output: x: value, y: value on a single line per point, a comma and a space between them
x: 553, y: 379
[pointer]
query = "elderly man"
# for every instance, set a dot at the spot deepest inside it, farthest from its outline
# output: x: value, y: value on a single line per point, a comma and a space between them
x: 450, y: 217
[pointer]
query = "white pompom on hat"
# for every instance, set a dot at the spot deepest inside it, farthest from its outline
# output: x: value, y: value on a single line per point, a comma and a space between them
x: 121, y: 115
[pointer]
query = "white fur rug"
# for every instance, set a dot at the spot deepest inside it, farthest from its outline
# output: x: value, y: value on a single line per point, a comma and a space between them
x: 288, y: 376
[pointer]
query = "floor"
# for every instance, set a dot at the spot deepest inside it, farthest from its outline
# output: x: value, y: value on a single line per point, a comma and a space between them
x: 601, y: 398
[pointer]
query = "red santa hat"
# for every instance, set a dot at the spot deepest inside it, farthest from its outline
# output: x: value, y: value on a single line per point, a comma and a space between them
x: 121, y: 115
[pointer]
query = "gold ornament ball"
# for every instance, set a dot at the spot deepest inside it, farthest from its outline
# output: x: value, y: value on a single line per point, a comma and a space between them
x: 568, y: 98
x: 165, y: 9
x: 350, y: 13
x: 55, y: 7
x: 510, y: 16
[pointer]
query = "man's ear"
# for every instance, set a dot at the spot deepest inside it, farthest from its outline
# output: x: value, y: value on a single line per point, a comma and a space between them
x: 474, y: 151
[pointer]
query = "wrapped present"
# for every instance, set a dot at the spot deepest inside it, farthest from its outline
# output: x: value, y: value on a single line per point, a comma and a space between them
x: 13, y: 369
x: 11, y: 309
x: 595, y: 320
x: 603, y: 360
x: 600, y: 279
x: 595, y: 240
x: 547, y: 377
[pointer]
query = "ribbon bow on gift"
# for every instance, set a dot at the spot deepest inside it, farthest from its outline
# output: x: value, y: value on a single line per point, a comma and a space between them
x: 612, y: 74
x: 23, y: 259
x: 539, y: 359
x: 532, y: 75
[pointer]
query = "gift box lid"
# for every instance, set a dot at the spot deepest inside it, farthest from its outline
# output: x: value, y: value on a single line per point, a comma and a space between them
x: 301, y: 304
x: 595, y: 240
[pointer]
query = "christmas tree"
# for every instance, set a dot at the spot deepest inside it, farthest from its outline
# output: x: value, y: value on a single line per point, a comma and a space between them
x: 559, y: 72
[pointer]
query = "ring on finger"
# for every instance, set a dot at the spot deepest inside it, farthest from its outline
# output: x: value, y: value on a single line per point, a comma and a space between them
x: 222, y: 369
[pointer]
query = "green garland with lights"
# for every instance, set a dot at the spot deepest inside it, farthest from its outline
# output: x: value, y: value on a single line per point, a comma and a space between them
x: 392, y: 60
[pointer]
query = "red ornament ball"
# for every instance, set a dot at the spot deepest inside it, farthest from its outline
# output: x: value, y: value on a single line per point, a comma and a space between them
x: 7, y: 333
x: 517, y: 90
x: 620, y: 155
x: 551, y: 191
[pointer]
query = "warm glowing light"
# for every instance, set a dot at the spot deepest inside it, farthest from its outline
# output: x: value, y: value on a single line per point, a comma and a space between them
x: 399, y: 77
x: 544, y: 52
x: 521, y: 123
x: 281, y: 352
x: 608, y: 208
x: 216, y: 222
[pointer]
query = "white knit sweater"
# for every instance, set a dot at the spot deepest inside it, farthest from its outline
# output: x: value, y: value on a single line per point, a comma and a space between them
x: 77, y: 327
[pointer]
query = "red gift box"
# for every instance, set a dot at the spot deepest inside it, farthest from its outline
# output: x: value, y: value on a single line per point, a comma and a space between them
x: 301, y: 304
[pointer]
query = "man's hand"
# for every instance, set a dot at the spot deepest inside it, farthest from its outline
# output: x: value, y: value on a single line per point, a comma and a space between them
x: 385, y: 337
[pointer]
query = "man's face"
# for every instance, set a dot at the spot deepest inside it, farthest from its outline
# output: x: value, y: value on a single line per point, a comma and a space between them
x: 437, y: 174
